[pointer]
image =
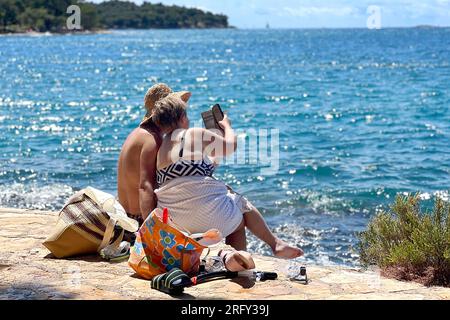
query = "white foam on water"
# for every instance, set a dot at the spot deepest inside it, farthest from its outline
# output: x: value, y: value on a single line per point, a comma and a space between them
x: 425, y: 196
x: 321, y: 202
x: 444, y: 195
x: 312, y: 241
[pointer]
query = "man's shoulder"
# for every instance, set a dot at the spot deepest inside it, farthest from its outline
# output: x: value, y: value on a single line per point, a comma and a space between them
x: 140, y: 137
x: 140, y: 133
x: 148, y: 138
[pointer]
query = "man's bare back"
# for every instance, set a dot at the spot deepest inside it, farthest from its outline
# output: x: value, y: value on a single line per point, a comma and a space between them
x: 136, y: 171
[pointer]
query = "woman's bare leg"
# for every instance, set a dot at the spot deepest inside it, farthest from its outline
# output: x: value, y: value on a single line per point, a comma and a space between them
x: 238, y: 239
x: 254, y: 221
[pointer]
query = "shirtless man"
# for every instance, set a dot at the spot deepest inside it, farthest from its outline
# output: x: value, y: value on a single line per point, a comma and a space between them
x: 137, y: 178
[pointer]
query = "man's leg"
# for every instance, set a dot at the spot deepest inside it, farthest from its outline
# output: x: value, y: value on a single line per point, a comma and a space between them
x: 254, y: 221
x: 238, y: 239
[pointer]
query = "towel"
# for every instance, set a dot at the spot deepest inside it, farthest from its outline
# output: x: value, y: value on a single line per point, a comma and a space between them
x: 198, y: 204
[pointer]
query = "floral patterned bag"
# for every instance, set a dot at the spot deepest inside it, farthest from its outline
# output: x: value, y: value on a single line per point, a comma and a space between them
x: 160, y: 247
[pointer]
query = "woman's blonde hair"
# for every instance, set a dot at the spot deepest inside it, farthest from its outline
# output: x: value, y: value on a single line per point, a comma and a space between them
x: 168, y: 112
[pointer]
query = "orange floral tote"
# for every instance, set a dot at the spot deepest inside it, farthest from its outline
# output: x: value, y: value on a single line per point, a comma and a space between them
x: 160, y: 247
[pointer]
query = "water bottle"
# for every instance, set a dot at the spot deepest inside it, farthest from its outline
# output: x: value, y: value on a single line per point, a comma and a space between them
x: 296, y: 272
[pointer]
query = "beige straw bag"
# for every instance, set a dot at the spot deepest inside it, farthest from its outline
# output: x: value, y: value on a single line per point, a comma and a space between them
x: 87, y: 224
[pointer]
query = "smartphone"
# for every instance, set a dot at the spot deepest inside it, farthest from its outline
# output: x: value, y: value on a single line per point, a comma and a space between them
x: 212, y: 117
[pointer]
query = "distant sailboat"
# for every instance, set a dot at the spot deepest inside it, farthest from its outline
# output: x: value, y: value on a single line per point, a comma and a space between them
x: 267, y: 26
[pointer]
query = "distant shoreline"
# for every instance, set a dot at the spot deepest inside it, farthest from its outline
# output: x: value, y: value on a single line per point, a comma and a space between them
x: 110, y: 31
x: 100, y: 31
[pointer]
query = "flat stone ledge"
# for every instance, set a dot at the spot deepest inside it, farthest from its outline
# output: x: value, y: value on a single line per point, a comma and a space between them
x: 28, y: 272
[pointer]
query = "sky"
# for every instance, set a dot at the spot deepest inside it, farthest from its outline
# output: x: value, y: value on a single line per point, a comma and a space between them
x: 323, y: 13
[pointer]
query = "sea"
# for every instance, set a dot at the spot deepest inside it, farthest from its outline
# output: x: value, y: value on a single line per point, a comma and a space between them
x: 358, y: 117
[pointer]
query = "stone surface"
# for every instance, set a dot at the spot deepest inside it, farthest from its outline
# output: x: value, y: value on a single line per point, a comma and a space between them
x: 28, y: 272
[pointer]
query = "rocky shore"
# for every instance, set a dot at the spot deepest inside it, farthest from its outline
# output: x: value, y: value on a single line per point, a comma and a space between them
x: 27, y: 271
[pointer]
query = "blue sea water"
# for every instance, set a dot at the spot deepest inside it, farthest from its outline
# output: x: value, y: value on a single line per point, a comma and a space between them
x: 363, y: 115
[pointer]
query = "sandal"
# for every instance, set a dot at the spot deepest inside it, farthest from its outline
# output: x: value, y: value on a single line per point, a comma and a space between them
x: 116, y: 254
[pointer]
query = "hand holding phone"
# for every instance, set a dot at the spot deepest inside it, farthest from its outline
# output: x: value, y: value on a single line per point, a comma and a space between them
x: 225, y: 122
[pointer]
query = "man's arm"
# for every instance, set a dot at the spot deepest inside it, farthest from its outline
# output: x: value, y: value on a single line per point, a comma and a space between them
x: 147, y: 198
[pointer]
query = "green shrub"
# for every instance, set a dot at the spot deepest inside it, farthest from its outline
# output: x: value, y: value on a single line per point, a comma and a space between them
x: 408, y: 243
